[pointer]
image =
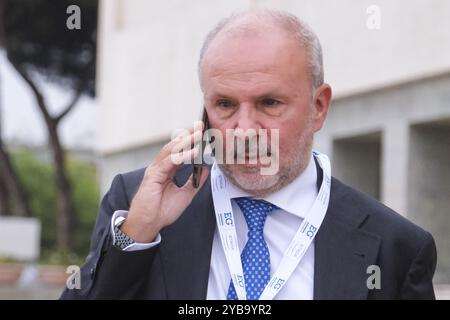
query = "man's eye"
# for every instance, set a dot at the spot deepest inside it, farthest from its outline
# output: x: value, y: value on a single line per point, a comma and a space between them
x: 270, y: 102
x: 224, y: 103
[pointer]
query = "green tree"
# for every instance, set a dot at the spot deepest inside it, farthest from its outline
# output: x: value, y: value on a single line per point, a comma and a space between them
x: 13, y: 198
x: 37, y: 177
x: 39, y: 45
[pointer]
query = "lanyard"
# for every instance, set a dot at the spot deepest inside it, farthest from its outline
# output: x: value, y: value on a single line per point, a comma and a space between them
x: 296, y: 249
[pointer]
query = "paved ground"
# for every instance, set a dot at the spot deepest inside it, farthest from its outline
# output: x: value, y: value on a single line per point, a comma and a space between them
x: 442, y: 292
x: 39, y: 293
x: 14, y: 293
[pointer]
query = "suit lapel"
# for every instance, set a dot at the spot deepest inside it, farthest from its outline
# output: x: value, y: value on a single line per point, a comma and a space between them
x: 343, y: 251
x: 186, y: 249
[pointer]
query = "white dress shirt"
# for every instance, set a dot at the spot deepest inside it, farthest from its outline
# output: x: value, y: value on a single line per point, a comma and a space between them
x: 294, y: 201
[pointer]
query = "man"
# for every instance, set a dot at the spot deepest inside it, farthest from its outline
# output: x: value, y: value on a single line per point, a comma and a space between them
x: 156, y: 236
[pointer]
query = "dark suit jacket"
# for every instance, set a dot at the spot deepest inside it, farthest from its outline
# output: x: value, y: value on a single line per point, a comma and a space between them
x: 357, y: 232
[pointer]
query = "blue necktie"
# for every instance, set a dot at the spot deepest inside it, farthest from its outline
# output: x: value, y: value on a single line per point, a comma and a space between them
x: 255, y: 256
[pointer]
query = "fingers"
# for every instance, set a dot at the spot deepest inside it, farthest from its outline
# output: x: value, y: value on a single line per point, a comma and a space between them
x: 184, y: 195
x: 184, y: 146
x: 178, y: 198
x: 182, y: 149
x: 164, y: 170
x: 184, y: 139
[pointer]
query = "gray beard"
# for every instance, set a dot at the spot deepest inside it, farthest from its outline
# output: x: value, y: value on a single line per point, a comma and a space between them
x: 288, y: 171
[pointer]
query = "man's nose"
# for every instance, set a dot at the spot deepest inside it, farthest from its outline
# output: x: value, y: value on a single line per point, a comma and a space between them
x: 247, y: 118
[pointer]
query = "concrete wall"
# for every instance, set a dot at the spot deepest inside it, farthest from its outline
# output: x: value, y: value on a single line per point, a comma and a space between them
x: 390, y: 111
x: 357, y: 161
x: 429, y: 187
x: 412, y: 152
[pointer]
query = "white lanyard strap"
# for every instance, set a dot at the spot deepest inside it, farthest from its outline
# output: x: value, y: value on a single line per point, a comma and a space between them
x: 227, y: 229
x: 296, y: 249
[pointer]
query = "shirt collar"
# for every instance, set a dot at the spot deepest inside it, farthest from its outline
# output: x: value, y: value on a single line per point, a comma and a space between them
x: 295, y: 198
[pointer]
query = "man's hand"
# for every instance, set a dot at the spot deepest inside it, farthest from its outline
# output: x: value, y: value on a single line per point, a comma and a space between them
x: 158, y: 201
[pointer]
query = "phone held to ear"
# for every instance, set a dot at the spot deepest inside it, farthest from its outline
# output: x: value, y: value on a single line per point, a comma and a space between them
x: 198, y: 162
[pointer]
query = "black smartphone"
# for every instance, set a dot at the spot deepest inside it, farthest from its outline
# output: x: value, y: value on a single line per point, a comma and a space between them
x: 197, y: 168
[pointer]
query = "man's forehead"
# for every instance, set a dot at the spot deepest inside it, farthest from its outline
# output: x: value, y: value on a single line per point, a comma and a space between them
x: 255, y: 40
x: 249, y: 90
x: 248, y: 56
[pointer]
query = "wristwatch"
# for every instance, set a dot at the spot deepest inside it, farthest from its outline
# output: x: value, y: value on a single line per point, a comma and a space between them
x: 121, y: 240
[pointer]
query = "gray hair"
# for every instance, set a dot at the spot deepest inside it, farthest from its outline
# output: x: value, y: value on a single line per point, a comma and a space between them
x: 290, y: 23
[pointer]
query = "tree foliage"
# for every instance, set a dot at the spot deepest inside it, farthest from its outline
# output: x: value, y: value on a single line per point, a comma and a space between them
x: 37, y: 177
x: 40, y: 44
x: 38, y: 39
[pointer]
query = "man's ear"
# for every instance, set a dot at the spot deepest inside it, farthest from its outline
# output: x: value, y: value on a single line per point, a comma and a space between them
x: 322, y: 100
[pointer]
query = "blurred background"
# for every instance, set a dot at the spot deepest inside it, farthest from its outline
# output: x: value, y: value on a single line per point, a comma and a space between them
x: 90, y: 89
